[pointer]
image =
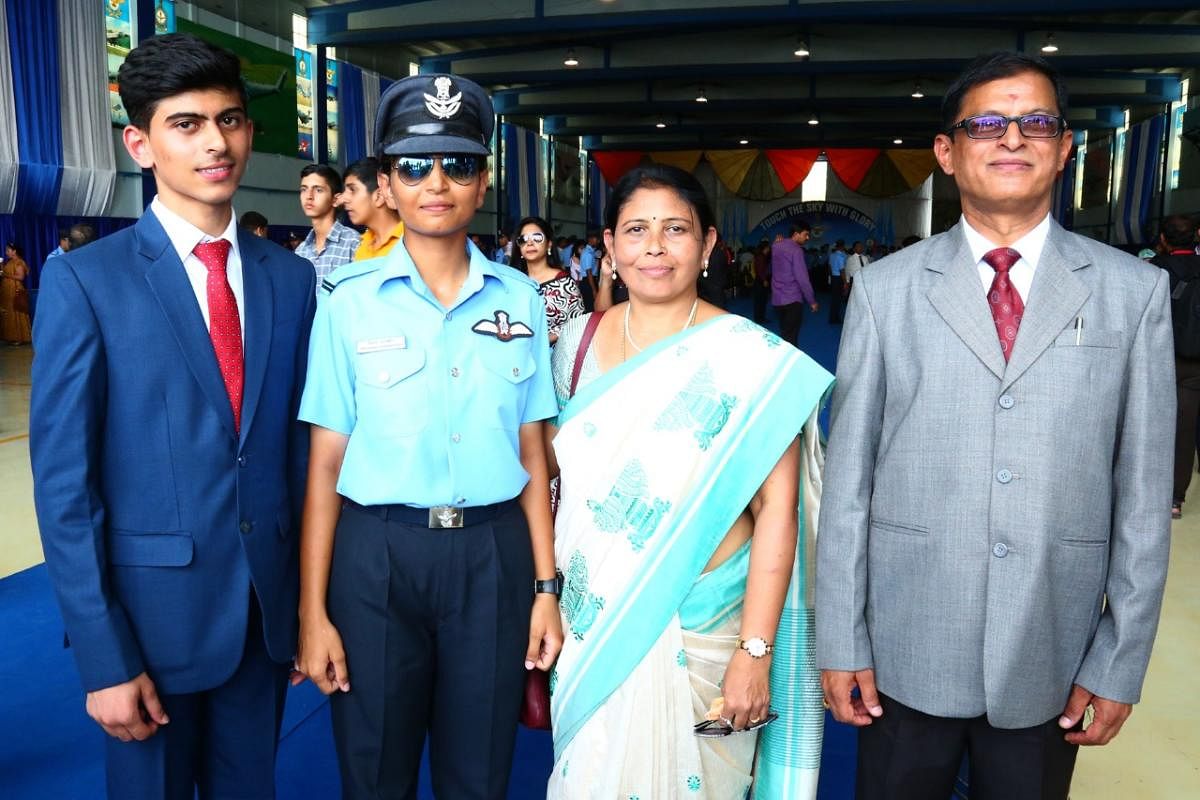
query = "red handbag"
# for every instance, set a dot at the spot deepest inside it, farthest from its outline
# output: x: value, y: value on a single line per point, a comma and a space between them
x: 535, y: 706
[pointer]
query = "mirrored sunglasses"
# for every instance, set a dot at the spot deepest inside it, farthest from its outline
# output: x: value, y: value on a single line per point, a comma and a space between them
x: 716, y: 728
x: 462, y: 169
x: 993, y: 126
x: 537, y: 237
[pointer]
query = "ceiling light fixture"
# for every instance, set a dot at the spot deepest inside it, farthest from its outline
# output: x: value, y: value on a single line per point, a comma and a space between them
x: 1050, y: 46
x: 743, y: 141
x: 571, y: 60
x: 916, y: 92
x: 700, y: 96
x: 802, y: 50
x: 813, y: 119
x: 897, y: 141
x: 660, y: 124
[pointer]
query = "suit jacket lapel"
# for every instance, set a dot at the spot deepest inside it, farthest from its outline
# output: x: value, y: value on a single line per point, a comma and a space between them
x: 169, y: 282
x: 960, y: 299
x: 1055, y: 298
x: 258, y: 307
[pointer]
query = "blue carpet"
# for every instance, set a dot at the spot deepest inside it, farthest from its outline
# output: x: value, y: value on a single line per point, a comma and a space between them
x: 49, y: 748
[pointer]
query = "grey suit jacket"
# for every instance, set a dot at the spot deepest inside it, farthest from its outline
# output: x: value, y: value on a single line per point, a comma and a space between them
x: 991, y: 533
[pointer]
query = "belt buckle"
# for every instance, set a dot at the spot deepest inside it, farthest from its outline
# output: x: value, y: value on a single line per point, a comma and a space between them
x: 444, y: 517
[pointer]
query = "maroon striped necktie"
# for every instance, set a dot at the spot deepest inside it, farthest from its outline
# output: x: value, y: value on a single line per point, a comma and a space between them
x: 224, y: 324
x: 1003, y: 297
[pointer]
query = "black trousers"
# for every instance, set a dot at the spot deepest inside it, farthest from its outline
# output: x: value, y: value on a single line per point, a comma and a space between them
x: 762, y: 293
x: 837, y: 300
x: 909, y: 755
x: 435, y: 624
x: 1187, y: 393
x: 790, y: 317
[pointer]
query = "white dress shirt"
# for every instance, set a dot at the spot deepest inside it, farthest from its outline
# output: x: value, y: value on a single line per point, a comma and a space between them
x: 1021, y: 273
x: 184, y: 237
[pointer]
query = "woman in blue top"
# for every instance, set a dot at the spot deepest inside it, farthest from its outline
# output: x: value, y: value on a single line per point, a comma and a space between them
x: 427, y: 518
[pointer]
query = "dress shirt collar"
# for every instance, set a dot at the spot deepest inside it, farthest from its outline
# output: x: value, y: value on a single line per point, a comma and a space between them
x: 1030, y: 245
x: 185, y: 236
x: 399, y: 264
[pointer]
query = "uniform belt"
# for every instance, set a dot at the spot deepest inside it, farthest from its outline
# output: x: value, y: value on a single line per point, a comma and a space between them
x: 438, y: 517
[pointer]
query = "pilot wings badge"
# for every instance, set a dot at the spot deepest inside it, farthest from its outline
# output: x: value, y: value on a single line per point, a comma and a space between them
x: 443, y: 106
x: 500, y: 327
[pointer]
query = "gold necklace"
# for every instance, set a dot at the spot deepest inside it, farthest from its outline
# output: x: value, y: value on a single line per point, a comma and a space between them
x: 629, y: 307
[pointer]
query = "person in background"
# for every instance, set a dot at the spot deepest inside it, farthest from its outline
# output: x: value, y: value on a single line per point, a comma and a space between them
x: 14, y: 297
x: 535, y: 257
x: 330, y: 243
x: 254, y: 223
x: 503, y: 254
x: 790, y: 284
x: 854, y: 263
x: 365, y: 203
x: 838, y: 287
x: 64, y: 243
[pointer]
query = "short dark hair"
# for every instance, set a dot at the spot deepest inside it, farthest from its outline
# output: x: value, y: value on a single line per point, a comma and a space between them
x: 169, y: 65
x: 799, y: 226
x: 64, y: 233
x: 252, y: 221
x: 81, y: 233
x: 1178, y: 231
x: 661, y: 176
x: 993, y: 66
x: 328, y: 173
x: 367, y: 171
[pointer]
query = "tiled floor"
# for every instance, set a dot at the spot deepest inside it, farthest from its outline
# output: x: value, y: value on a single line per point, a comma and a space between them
x: 1156, y: 757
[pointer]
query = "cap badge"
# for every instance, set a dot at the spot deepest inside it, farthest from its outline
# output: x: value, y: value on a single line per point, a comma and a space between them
x: 443, y: 106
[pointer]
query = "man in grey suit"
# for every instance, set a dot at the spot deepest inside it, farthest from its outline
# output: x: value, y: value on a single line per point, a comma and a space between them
x: 995, y: 521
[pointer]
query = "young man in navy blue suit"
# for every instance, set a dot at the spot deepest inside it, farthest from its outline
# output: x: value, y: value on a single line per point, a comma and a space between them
x: 168, y: 464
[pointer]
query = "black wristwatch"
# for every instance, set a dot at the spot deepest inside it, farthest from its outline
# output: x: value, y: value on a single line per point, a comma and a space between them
x: 553, y: 586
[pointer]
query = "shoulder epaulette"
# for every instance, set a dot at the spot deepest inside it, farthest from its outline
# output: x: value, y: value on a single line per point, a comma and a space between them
x: 346, y: 271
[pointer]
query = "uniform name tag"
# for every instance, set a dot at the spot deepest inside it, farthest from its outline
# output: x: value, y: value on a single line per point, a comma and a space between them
x: 388, y: 343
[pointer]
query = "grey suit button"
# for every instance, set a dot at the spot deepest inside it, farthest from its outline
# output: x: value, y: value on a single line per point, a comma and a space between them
x: 246, y: 526
x: 1000, y: 550
x: 1004, y: 476
x: 1006, y: 401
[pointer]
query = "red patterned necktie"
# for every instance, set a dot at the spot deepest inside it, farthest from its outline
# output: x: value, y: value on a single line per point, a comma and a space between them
x: 224, y: 324
x: 1003, y: 297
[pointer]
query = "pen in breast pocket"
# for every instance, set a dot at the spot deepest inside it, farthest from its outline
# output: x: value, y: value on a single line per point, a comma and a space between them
x: 1078, y: 329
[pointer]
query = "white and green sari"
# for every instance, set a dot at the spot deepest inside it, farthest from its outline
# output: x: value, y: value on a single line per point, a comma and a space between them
x: 658, y: 457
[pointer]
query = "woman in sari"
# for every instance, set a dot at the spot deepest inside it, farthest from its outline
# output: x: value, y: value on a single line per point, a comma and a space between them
x: 685, y: 451
x: 14, y: 301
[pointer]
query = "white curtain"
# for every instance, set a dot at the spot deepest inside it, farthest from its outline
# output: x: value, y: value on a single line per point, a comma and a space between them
x: 9, y: 156
x: 370, y: 84
x: 89, y: 164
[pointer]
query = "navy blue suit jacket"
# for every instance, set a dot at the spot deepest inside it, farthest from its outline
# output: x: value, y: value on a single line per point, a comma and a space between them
x: 156, y: 518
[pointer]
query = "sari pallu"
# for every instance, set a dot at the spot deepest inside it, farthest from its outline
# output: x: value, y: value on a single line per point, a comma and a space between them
x: 659, y: 456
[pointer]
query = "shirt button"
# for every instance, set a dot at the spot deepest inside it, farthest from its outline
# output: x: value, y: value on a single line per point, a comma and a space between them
x: 383, y: 376
x: 460, y: 500
x: 1000, y: 550
x: 516, y: 371
x: 246, y: 526
x: 456, y: 438
x: 1007, y: 401
x: 449, y: 316
x: 454, y: 372
x: 1004, y: 476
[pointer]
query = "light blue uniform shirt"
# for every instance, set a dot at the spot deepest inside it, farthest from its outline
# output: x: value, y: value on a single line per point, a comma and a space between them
x: 588, y: 262
x: 430, y: 397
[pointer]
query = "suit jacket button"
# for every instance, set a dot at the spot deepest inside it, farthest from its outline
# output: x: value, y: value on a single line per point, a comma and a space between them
x: 1000, y: 550
x: 1007, y: 401
x: 1004, y: 476
x: 246, y: 526
x: 241, y: 461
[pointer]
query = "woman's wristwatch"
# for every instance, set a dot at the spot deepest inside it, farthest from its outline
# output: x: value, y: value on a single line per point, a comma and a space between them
x: 756, y: 646
x: 552, y: 586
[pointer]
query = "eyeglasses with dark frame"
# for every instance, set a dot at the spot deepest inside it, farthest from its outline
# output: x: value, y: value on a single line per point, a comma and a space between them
x: 537, y: 237
x: 462, y: 169
x: 994, y: 126
x: 716, y: 728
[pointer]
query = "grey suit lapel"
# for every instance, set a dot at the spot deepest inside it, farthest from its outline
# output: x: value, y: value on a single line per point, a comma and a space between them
x: 1055, y: 298
x: 960, y: 299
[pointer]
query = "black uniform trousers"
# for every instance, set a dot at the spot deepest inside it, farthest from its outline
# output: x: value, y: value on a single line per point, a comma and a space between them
x: 790, y: 316
x: 1187, y: 388
x: 909, y: 755
x: 435, y: 623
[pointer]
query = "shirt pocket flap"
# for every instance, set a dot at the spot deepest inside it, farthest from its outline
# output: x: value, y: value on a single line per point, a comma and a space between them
x: 512, y: 363
x: 1086, y: 337
x: 141, y: 549
x: 386, y: 368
